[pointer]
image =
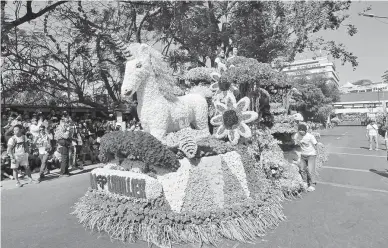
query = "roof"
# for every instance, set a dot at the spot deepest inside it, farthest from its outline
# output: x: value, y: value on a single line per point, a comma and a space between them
x: 364, y: 96
x: 347, y: 85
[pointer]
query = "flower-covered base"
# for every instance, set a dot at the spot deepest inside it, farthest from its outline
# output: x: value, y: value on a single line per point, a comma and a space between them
x: 153, y: 222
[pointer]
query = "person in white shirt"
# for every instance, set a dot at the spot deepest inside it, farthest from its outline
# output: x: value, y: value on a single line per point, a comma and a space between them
x: 34, y: 128
x: 372, y: 135
x: 308, y: 154
x: 221, y: 62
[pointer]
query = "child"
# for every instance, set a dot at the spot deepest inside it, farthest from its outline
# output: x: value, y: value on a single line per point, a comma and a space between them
x: 308, y: 153
x: 18, y: 151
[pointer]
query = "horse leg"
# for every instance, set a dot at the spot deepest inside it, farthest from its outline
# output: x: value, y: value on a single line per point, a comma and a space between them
x: 201, y: 120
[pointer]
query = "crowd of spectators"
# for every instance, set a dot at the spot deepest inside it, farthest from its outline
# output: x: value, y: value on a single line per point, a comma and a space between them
x: 40, y: 142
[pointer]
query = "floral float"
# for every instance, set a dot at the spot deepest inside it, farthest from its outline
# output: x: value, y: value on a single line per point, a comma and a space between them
x: 174, y: 184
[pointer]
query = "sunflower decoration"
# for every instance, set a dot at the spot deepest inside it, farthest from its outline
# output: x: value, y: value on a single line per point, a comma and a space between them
x: 232, y: 119
x: 222, y: 88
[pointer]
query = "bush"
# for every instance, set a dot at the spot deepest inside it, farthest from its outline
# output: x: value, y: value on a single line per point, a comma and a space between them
x: 139, y: 146
x: 200, y: 75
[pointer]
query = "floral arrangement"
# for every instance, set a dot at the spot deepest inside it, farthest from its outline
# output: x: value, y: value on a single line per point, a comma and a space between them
x: 232, y: 119
x: 201, y: 203
x: 152, y: 221
x: 140, y: 145
x: 217, y: 189
x: 200, y: 75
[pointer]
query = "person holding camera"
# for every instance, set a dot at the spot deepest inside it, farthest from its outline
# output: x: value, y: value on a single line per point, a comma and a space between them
x: 62, y: 135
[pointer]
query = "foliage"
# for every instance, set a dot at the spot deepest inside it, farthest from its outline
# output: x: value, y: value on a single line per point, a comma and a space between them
x: 250, y: 73
x: 324, y: 112
x: 139, y: 145
x: 200, y: 75
x: 316, y: 95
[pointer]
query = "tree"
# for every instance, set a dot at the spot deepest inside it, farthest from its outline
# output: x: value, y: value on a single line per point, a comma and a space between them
x: 261, y: 30
x: 316, y: 96
x: 8, y: 24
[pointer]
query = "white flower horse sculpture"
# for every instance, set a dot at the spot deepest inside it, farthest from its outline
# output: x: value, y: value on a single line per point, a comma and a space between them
x: 160, y: 111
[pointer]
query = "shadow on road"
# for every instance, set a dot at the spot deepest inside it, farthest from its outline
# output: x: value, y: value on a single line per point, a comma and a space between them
x: 380, y: 173
x: 53, y: 176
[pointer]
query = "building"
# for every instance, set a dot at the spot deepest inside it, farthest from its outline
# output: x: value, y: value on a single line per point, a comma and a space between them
x: 366, y: 86
x: 362, y: 102
x: 313, y: 67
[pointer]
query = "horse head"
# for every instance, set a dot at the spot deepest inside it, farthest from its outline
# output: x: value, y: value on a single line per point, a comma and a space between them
x: 138, y: 66
x: 142, y: 63
x: 137, y: 70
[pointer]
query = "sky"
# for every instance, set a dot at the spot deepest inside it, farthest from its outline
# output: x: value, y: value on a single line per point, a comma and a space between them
x: 370, y: 44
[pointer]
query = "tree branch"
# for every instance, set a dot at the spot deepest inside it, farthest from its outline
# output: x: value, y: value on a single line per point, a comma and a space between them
x: 30, y: 15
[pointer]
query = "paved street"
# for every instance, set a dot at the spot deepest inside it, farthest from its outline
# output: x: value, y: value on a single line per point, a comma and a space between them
x: 348, y: 209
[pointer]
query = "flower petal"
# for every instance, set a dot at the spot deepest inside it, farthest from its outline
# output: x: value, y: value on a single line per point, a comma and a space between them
x: 243, y: 104
x: 244, y: 130
x: 215, y: 76
x: 220, y: 107
x: 230, y: 101
x: 216, y: 120
x: 249, y: 116
x: 233, y: 136
x: 215, y: 86
x: 221, y: 132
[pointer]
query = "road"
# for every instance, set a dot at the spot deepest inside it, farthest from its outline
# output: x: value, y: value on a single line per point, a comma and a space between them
x: 348, y: 209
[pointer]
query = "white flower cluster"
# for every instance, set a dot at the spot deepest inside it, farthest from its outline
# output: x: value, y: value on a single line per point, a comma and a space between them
x: 174, y: 185
x: 235, y: 164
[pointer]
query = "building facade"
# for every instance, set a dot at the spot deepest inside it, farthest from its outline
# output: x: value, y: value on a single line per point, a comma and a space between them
x: 320, y: 66
x: 372, y: 87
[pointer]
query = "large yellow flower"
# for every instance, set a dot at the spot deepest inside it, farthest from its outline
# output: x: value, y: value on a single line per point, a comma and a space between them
x: 232, y: 118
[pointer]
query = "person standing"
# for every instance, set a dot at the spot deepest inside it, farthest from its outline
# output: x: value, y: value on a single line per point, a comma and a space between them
x: 18, y: 152
x: 43, y: 144
x: 62, y: 135
x: 372, y: 135
x: 308, y: 153
x: 221, y: 62
x: 234, y: 53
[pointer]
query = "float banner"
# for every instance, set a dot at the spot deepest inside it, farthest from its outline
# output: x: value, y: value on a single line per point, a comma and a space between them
x: 125, y: 183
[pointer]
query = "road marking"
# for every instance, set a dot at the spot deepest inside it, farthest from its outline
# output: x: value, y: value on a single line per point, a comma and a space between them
x: 343, y: 147
x: 354, y: 187
x: 338, y: 138
x: 365, y: 155
x: 343, y: 168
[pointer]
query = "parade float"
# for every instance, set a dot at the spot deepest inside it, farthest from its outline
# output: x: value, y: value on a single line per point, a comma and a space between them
x: 176, y: 182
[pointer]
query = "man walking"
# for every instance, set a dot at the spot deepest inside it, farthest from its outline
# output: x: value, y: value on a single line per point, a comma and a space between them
x: 18, y: 152
x: 372, y: 133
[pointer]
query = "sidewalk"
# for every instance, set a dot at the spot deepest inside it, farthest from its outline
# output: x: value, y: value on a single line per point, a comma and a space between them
x: 54, y: 175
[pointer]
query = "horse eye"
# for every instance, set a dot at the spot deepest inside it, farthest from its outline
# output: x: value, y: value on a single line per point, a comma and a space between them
x: 138, y: 65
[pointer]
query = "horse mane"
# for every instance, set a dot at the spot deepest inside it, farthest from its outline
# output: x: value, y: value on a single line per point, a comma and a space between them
x: 163, y: 74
